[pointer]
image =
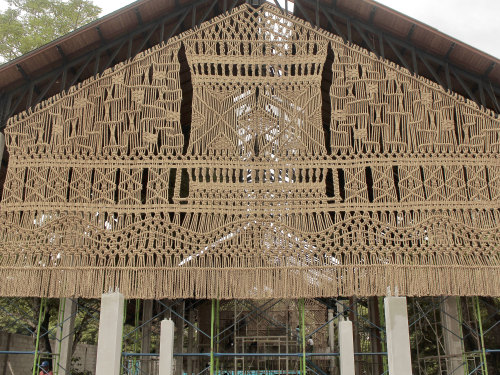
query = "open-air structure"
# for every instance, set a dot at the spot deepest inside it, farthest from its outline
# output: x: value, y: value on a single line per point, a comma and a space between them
x: 256, y: 188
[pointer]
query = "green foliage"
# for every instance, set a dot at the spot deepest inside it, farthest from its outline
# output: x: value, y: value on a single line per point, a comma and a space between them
x: 20, y: 315
x: 28, y: 24
x: 86, y: 324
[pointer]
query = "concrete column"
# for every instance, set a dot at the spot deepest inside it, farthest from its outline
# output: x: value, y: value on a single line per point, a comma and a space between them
x: 167, y: 347
x: 452, y: 335
x: 109, y: 344
x: 340, y: 310
x: 67, y: 314
x: 346, y: 348
x: 398, y: 336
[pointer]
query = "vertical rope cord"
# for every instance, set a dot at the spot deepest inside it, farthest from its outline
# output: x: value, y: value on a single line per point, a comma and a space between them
x: 39, y: 326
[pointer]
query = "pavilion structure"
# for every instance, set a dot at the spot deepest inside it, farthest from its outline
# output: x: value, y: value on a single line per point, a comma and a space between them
x: 255, y: 187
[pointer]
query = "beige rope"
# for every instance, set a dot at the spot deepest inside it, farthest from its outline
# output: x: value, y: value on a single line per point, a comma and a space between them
x: 261, y: 197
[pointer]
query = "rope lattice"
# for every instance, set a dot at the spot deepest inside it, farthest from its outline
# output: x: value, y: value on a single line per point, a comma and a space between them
x: 273, y: 189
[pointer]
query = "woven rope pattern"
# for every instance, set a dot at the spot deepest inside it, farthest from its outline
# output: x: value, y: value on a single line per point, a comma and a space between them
x: 259, y: 196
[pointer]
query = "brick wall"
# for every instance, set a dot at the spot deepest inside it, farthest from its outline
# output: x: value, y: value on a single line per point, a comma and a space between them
x: 21, y: 364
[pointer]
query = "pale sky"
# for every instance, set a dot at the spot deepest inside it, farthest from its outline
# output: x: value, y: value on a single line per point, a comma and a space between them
x: 475, y: 22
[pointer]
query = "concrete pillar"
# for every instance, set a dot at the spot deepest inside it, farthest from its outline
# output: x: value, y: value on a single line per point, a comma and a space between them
x: 167, y: 347
x: 452, y: 335
x: 67, y: 313
x: 109, y: 343
x: 398, y: 336
x: 346, y: 348
x: 341, y: 310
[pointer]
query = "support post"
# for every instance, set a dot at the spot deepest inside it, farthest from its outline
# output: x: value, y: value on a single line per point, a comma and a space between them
x: 109, y: 344
x: 374, y: 317
x: 353, y: 315
x: 331, y: 340
x: 67, y: 314
x: 204, y: 323
x: 179, y: 340
x: 147, y: 314
x: 190, y: 342
x: 167, y: 347
x: 484, y: 362
x: 398, y: 336
x: 41, y: 314
x: 452, y: 335
x: 212, y: 327
x: 346, y: 347
x: 303, y: 334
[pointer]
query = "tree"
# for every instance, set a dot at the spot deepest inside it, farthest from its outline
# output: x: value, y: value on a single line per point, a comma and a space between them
x: 28, y: 24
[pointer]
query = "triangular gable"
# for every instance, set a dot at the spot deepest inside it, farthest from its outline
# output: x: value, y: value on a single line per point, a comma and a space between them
x: 386, y: 181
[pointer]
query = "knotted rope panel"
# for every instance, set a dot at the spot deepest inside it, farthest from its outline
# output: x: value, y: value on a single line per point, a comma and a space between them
x: 275, y: 188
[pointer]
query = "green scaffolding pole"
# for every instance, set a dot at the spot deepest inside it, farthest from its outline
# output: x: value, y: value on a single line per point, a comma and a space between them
x: 122, y: 359
x: 217, y: 328
x: 383, y: 334
x: 483, y: 351
x: 41, y: 314
x: 212, y: 318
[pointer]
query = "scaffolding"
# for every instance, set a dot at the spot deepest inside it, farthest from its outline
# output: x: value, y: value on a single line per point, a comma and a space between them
x: 255, y: 337
x: 473, y: 327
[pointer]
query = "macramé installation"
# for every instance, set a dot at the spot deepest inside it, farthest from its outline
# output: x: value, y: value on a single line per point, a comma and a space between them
x: 276, y: 187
